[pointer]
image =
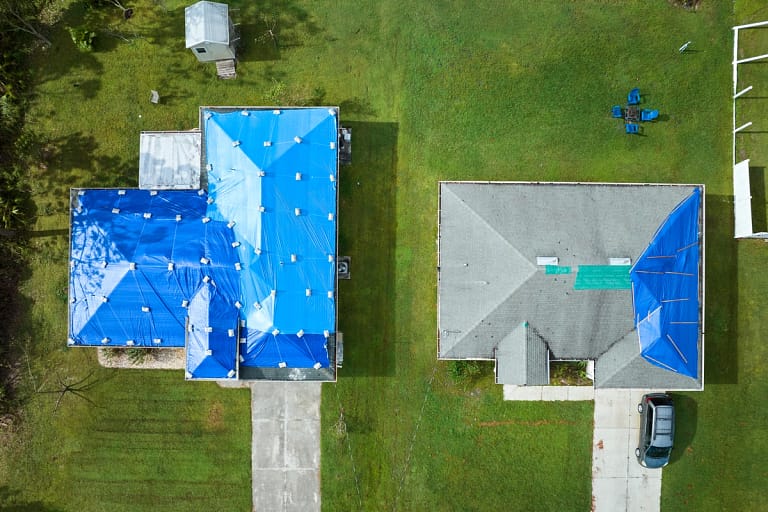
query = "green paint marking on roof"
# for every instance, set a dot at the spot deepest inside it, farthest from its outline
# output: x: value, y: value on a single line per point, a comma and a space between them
x: 556, y: 269
x: 602, y: 277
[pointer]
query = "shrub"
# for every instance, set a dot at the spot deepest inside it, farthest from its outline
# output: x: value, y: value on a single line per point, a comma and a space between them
x: 464, y: 370
x: 82, y: 37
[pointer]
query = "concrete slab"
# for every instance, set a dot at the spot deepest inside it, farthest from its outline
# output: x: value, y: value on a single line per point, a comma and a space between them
x: 271, y: 402
x: 304, y: 453
x: 297, y: 497
x: 609, y: 494
x: 554, y: 393
x: 286, y: 446
x: 522, y: 392
x: 581, y: 393
x: 612, y: 408
x: 609, y: 452
x: 268, y: 489
x: 644, y: 494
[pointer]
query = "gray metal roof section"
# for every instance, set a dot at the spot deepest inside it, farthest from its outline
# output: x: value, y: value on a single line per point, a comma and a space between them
x: 169, y: 160
x: 206, y: 22
x: 489, y: 283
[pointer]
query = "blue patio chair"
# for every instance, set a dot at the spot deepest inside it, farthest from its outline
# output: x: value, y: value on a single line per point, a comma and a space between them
x: 648, y: 115
x: 633, y: 98
x: 616, y: 111
x: 632, y: 128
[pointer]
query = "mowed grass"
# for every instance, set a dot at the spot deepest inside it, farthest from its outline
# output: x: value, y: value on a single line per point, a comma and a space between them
x: 435, y: 90
x: 139, y: 440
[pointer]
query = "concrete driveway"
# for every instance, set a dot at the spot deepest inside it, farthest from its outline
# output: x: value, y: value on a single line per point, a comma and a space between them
x: 619, y: 483
x: 286, y: 446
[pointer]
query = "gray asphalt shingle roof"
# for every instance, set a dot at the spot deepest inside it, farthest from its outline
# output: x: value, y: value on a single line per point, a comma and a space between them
x: 489, y: 283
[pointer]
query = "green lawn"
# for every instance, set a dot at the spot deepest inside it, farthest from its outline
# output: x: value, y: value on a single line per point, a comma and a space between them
x: 433, y: 90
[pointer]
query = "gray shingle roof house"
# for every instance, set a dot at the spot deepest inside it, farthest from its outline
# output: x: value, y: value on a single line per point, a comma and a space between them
x: 534, y: 272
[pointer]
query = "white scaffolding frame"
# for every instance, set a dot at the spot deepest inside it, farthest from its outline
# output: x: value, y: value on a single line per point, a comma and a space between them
x: 741, y: 186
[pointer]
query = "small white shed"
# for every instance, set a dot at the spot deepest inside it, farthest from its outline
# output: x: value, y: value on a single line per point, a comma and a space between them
x: 209, y: 31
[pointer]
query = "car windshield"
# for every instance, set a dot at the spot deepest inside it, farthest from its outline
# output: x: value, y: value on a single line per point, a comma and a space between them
x: 658, y: 453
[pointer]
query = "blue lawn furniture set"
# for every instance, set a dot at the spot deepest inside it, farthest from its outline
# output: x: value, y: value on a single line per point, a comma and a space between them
x: 632, y: 114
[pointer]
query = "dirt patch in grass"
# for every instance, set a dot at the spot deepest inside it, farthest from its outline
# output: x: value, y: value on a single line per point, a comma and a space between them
x: 538, y: 423
x: 214, y: 421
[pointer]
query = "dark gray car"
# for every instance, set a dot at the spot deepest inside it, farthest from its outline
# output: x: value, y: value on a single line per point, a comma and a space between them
x: 657, y: 430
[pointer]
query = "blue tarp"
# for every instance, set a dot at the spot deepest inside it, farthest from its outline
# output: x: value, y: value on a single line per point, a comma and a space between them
x: 665, y: 291
x: 252, y: 259
x: 272, y: 173
x: 211, y: 334
x: 136, y: 265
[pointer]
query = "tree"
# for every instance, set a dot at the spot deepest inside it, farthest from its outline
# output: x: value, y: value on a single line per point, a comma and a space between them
x: 22, y: 16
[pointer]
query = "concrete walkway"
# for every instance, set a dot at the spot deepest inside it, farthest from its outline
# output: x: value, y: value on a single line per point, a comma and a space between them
x: 619, y: 483
x: 286, y: 446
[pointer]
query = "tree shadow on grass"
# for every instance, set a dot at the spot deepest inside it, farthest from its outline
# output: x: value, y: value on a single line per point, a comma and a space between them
x: 721, y: 325
x: 11, y: 501
x: 367, y: 234
x: 64, y: 155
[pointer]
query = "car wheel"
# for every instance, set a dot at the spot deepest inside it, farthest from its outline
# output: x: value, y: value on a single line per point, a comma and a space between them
x: 640, y: 408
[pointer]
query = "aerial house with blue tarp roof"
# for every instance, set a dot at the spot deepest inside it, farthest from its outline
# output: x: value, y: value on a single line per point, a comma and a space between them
x: 241, y: 273
x: 530, y: 273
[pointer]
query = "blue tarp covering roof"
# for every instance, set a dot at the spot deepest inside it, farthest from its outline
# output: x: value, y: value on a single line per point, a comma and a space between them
x: 211, y: 334
x: 665, y: 291
x: 272, y: 173
x: 252, y: 260
x: 136, y: 263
